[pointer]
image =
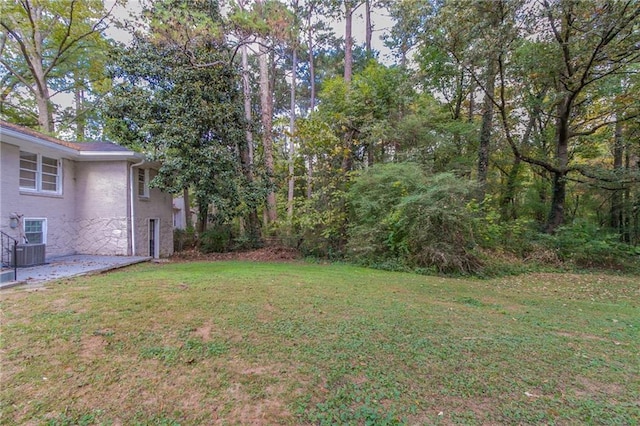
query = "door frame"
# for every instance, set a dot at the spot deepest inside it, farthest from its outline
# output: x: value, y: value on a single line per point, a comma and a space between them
x: 156, y: 236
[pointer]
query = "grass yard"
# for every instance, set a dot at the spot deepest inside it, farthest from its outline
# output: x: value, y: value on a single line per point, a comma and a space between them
x: 266, y: 343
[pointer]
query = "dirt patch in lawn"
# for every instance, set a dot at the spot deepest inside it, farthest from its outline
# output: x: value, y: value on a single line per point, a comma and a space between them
x: 204, y: 332
x: 586, y: 387
x: 93, y: 346
x: 259, y: 393
x: 265, y: 254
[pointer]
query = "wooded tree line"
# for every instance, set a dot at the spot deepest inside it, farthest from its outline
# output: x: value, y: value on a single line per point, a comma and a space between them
x: 505, y: 127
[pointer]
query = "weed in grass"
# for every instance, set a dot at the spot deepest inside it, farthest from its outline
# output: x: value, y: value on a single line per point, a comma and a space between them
x: 470, y: 301
x: 168, y: 355
x: 464, y: 418
x: 70, y: 419
x: 143, y: 419
x: 348, y: 406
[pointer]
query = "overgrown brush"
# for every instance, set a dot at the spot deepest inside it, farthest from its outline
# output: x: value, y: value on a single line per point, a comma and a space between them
x: 400, y: 215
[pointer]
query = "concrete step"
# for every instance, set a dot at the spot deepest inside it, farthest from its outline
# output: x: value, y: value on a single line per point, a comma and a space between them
x: 7, y: 275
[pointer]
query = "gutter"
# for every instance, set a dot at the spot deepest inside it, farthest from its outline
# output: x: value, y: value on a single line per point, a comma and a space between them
x: 132, y: 218
x: 15, y: 137
x: 106, y: 155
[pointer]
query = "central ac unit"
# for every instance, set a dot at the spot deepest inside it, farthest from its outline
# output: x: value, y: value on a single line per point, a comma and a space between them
x: 30, y: 254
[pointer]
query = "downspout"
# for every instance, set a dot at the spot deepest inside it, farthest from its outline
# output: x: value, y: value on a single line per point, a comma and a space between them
x: 133, y: 211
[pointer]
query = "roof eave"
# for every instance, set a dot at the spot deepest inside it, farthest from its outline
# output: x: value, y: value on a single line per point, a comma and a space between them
x: 38, y: 141
x: 75, y: 154
x: 108, y: 155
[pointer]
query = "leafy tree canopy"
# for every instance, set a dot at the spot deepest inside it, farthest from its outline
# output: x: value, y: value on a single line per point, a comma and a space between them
x: 180, y: 104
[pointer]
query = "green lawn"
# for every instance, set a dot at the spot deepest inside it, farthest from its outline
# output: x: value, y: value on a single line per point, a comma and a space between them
x: 263, y: 343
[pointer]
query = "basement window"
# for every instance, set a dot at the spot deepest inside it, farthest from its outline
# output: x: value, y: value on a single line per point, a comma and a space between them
x: 35, y: 231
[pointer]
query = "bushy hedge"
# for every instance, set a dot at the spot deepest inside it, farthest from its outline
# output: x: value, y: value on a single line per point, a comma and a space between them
x: 588, y: 246
x: 374, y: 234
x: 401, y: 216
x: 217, y: 239
x: 438, y: 226
x: 183, y: 239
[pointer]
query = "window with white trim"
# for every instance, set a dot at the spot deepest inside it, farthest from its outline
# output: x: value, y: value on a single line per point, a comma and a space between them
x: 35, y: 230
x: 143, y: 183
x: 39, y: 173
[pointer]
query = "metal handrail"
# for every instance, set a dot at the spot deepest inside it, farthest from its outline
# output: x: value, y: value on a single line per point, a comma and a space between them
x: 9, y: 247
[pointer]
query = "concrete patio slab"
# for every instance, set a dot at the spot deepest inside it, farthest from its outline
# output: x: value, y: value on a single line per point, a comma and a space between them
x: 71, y: 266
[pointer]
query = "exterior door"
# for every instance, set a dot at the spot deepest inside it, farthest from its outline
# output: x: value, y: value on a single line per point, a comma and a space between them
x: 154, y: 238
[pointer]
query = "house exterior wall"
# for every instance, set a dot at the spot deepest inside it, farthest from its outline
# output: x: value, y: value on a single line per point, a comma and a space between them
x: 157, y: 206
x: 101, y: 208
x: 57, y: 209
x: 179, y: 214
x: 180, y: 211
x: 91, y: 214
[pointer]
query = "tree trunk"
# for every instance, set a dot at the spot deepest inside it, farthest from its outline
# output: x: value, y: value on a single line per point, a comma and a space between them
x: 312, y: 100
x: 45, y: 115
x: 35, y: 63
x: 559, y: 189
x: 348, y: 42
x: 312, y: 67
x: 252, y: 225
x: 347, y: 155
x: 246, y: 90
x: 508, y: 200
x: 485, y: 132
x: 542, y: 188
x: 558, y: 196
x: 347, y: 160
x: 368, y: 28
x: 310, y: 177
x: 188, y: 223
x: 79, y: 106
x: 266, y: 103
x: 472, y: 103
x: 457, y: 112
x: 292, y: 124
x: 507, y: 203
x: 631, y: 202
x: 203, y: 216
x: 616, y: 219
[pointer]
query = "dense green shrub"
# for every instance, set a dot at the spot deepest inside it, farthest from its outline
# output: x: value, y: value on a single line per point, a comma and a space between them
x: 588, y: 246
x: 318, y: 229
x: 398, y: 217
x: 374, y: 197
x: 183, y: 239
x: 217, y: 239
x: 438, y: 227
x: 401, y: 217
x: 516, y: 236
